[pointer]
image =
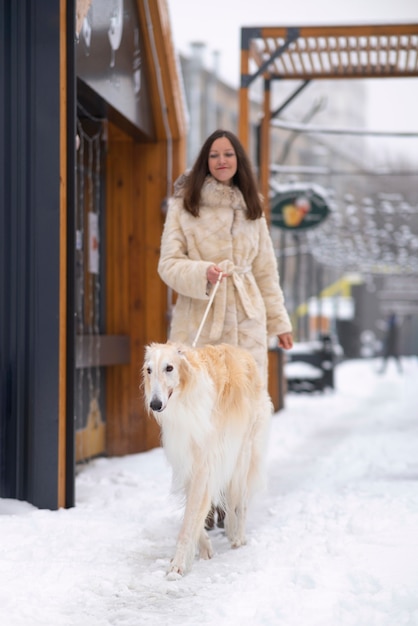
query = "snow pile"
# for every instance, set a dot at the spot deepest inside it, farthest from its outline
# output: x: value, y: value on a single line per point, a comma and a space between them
x: 333, y: 542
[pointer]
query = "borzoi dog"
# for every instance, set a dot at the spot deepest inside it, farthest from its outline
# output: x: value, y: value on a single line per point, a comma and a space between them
x: 214, y: 412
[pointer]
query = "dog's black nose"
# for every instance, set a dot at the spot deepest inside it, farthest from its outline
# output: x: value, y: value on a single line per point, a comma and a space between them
x: 156, y: 404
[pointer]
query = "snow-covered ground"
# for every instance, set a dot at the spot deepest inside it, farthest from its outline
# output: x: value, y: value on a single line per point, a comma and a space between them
x: 333, y: 542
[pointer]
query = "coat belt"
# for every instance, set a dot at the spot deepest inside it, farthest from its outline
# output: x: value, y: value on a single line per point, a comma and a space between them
x: 235, y: 273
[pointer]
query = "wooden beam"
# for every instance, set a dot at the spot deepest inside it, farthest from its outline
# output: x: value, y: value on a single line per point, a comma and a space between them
x: 165, y: 87
x: 243, y: 121
x: 264, y: 174
x: 357, y: 30
x: 356, y: 73
x: 102, y: 350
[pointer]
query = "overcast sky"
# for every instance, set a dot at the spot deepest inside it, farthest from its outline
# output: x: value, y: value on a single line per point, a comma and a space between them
x: 218, y: 23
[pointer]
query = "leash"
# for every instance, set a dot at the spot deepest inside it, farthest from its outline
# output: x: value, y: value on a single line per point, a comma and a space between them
x: 212, y: 296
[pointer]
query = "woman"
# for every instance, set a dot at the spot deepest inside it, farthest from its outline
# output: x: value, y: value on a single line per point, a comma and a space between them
x: 215, y: 225
x: 215, y: 228
x: 391, y: 343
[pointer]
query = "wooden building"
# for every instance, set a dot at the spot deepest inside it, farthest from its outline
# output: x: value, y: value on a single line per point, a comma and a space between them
x: 93, y: 134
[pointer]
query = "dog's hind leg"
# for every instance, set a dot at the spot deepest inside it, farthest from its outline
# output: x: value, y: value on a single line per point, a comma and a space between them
x: 249, y: 473
x: 237, y: 499
x: 236, y: 514
x: 192, y: 531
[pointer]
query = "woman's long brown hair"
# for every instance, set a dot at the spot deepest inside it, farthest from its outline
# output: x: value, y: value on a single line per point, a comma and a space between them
x: 243, y: 178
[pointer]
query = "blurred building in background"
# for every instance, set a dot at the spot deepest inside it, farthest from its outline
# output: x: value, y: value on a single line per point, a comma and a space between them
x: 211, y: 102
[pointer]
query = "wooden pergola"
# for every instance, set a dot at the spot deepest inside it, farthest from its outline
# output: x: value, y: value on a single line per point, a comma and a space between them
x: 318, y: 52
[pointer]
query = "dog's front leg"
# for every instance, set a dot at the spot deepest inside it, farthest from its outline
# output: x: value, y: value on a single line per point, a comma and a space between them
x: 192, y: 529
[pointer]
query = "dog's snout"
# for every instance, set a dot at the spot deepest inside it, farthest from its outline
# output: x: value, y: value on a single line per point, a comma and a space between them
x: 156, y: 404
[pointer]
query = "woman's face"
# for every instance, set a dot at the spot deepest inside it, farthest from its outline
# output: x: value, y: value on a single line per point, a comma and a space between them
x: 222, y: 160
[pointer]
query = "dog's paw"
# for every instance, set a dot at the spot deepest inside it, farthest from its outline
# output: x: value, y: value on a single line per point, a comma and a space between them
x: 205, y: 547
x: 238, y: 542
x: 176, y: 570
x: 173, y: 574
x: 206, y: 552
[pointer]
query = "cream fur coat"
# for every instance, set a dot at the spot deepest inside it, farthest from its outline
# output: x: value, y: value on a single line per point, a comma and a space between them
x: 249, y: 305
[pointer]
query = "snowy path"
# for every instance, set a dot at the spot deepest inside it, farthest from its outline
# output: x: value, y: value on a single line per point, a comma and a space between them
x: 333, y: 542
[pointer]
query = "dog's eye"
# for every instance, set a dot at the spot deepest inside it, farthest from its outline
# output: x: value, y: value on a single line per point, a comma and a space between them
x: 169, y: 368
x: 148, y: 370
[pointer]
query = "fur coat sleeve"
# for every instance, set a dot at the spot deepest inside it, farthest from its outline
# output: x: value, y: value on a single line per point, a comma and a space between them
x: 182, y: 272
x: 267, y: 278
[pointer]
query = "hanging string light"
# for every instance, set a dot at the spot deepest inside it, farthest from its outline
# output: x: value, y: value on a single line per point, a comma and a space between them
x: 376, y: 236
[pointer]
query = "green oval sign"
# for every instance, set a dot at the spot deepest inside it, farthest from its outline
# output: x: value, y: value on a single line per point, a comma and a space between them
x: 298, y: 208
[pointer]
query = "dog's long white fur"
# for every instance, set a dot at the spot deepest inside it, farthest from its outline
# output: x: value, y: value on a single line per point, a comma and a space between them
x: 214, y: 412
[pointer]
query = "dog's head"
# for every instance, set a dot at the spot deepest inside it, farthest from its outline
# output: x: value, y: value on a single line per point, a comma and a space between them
x: 161, y: 374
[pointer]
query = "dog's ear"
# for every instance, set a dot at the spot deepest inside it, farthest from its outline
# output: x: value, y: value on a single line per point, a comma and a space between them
x: 182, y: 349
x: 184, y: 368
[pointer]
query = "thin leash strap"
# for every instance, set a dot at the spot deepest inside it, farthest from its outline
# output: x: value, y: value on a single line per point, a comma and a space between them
x: 212, y: 296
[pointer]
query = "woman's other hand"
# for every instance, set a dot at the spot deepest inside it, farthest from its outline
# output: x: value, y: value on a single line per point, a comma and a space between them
x: 286, y: 341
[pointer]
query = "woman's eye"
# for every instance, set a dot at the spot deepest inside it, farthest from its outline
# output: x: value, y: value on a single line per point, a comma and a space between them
x: 227, y: 155
x: 169, y: 368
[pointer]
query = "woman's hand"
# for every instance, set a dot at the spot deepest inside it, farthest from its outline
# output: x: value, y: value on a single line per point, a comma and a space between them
x: 213, y: 274
x: 286, y: 341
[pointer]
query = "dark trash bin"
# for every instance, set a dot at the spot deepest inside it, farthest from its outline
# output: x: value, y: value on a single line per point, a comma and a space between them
x: 310, y: 365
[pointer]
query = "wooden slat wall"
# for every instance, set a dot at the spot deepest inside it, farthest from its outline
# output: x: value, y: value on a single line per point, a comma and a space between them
x: 136, y: 298
x: 151, y: 325
x: 138, y: 182
x: 119, y: 233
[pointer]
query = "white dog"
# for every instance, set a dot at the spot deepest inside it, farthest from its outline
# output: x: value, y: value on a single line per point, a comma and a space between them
x: 214, y: 412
